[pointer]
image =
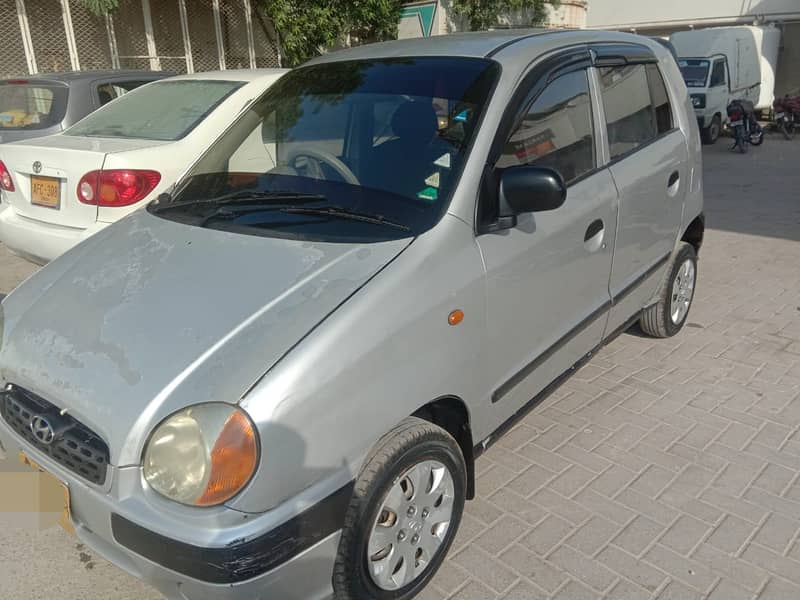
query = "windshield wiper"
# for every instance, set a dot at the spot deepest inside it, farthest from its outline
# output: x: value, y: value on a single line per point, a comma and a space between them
x: 343, y: 213
x: 241, y: 198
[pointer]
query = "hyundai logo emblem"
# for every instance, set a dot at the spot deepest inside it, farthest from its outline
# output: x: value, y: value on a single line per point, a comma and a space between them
x: 42, y: 430
x: 37, y: 167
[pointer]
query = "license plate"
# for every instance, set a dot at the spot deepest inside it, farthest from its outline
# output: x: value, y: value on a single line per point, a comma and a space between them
x: 52, y: 494
x: 735, y: 123
x: 778, y: 115
x: 45, y: 191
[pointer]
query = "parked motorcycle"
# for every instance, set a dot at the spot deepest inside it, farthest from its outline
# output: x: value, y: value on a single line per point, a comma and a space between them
x: 787, y: 115
x: 744, y: 126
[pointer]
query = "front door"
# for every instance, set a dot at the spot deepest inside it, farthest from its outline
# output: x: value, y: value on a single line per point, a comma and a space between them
x: 547, y: 278
x: 649, y: 164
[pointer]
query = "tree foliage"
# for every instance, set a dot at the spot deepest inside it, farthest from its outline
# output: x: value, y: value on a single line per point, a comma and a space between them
x: 307, y: 27
x: 100, y: 7
x: 483, y: 14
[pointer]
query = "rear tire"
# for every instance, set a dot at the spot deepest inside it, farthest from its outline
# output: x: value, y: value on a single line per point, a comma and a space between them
x: 710, y: 134
x: 390, y: 552
x: 667, y: 316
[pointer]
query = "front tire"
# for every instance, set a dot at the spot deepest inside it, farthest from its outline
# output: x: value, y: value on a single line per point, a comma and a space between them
x: 711, y: 133
x: 666, y: 317
x: 405, y: 510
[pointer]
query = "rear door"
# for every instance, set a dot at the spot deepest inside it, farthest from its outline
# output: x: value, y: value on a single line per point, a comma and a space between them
x: 46, y: 173
x: 649, y: 165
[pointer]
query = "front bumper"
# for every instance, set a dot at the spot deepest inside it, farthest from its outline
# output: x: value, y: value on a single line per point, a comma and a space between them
x: 38, y: 241
x: 290, y: 559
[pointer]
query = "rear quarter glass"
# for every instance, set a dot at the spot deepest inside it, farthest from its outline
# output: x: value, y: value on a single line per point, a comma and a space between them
x: 29, y: 106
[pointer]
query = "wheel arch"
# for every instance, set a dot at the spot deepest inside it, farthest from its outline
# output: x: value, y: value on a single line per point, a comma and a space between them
x: 451, y: 414
x: 695, y: 231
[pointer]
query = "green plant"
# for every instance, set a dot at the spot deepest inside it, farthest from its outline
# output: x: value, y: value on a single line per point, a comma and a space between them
x: 101, y: 7
x: 483, y: 14
x: 308, y: 27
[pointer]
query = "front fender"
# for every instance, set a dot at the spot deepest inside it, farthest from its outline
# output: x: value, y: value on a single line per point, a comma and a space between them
x: 381, y: 356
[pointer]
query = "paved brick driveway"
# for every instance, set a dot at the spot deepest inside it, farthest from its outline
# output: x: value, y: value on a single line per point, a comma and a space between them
x: 663, y: 469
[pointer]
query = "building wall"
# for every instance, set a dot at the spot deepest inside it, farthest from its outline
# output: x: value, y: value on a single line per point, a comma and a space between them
x: 173, y: 35
x: 616, y: 14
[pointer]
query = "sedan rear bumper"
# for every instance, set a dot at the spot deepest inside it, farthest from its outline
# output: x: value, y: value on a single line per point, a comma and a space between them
x: 38, y: 241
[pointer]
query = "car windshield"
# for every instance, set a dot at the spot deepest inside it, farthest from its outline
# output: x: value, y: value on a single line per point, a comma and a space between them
x: 371, y: 150
x: 694, y: 71
x: 165, y: 110
x: 31, y: 105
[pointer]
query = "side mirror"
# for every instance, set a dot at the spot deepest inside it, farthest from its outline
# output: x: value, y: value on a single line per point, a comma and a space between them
x: 529, y: 188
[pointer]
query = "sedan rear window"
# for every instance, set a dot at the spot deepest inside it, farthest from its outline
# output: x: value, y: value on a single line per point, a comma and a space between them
x: 28, y: 105
x: 165, y: 110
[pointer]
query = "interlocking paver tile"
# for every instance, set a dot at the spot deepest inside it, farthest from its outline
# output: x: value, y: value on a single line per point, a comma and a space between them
x: 777, y: 532
x: 524, y: 591
x: 633, y: 569
x: 684, y: 534
x: 742, y: 573
x: 727, y: 590
x: 638, y: 535
x: 485, y: 568
x: 547, y: 534
x: 772, y: 562
x: 624, y: 590
x: 677, y: 591
x: 544, y: 574
x: 593, y: 535
x: 689, y: 571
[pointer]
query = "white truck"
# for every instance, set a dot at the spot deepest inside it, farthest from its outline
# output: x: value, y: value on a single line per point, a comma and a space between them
x: 720, y: 64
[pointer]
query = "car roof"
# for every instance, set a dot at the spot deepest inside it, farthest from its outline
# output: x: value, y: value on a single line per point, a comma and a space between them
x: 69, y: 76
x: 233, y: 74
x: 498, y: 44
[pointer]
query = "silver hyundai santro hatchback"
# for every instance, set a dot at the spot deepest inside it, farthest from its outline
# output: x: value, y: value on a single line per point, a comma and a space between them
x: 274, y: 382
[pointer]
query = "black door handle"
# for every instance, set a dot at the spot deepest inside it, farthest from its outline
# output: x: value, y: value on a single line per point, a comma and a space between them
x: 673, y: 179
x: 594, y: 228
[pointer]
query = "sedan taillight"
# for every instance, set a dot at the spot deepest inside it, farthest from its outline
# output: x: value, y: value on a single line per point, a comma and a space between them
x: 6, y: 183
x: 117, y: 187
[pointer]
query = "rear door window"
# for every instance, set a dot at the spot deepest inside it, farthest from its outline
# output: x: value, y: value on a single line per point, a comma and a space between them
x: 556, y: 130
x: 29, y: 105
x: 630, y: 118
x: 165, y: 110
x: 660, y: 99
x: 109, y: 90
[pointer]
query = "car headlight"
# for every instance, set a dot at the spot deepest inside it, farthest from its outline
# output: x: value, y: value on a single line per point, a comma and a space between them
x: 698, y: 100
x: 202, y: 455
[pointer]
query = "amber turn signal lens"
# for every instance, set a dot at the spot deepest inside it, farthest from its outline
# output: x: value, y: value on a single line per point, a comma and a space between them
x: 233, y: 460
x: 455, y: 317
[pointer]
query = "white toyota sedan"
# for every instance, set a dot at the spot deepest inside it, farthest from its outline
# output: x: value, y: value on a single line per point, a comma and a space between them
x: 60, y: 189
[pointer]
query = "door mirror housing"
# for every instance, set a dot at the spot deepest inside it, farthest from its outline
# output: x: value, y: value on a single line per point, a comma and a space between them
x: 529, y: 188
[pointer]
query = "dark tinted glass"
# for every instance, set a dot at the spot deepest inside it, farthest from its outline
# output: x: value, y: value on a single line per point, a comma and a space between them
x: 694, y: 71
x: 385, y: 138
x: 556, y: 131
x: 660, y: 99
x: 629, y: 113
x: 718, y: 74
x: 31, y: 105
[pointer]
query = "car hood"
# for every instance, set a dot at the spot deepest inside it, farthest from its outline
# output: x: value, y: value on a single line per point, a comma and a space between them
x: 150, y: 315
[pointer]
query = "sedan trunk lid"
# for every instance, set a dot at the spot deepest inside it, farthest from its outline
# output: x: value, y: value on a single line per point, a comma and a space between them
x: 46, y: 173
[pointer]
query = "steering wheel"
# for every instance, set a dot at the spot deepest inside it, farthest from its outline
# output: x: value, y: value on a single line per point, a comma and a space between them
x: 320, y: 156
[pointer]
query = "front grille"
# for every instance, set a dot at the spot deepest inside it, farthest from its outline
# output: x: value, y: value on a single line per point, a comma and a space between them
x: 74, y: 446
